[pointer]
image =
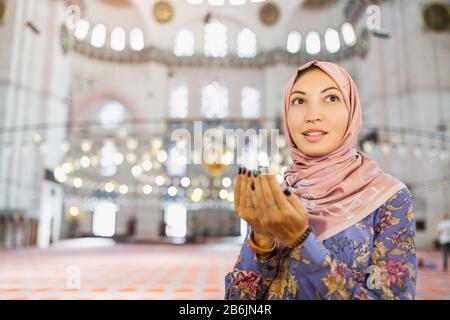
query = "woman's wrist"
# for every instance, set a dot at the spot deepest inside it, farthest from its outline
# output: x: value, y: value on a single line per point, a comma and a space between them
x: 300, y: 238
x: 258, y: 249
x: 263, y: 240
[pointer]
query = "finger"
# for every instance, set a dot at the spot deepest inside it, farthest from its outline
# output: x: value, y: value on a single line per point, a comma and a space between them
x: 295, y: 202
x: 279, y: 196
x: 243, y: 190
x: 265, y: 194
x: 257, y: 203
x: 237, y: 188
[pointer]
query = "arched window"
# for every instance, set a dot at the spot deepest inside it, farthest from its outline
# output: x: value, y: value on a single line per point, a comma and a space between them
x: 98, y: 38
x: 215, y: 40
x: 82, y: 29
x: 178, y: 102
x: 250, y: 102
x: 136, y: 39
x: 111, y: 114
x: 313, y: 43
x: 215, y: 100
x: 348, y: 34
x: 118, y: 39
x: 246, y: 44
x: 184, y: 43
x: 332, y: 40
x: 294, y: 42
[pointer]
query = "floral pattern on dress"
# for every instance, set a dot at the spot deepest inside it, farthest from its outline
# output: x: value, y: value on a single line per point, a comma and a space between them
x: 373, y: 259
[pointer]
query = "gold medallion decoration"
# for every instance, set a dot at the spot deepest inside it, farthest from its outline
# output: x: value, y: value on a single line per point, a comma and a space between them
x: 436, y: 16
x: 2, y: 11
x: 269, y: 14
x: 163, y: 11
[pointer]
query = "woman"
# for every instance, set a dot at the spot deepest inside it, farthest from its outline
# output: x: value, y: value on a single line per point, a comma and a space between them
x: 341, y: 228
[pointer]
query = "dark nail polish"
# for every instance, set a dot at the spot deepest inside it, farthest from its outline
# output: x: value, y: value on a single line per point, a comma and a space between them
x: 240, y: 170
x: 249, y: 173
x: 252, y: 186
x: 255, y: 173
x: 287, y: 192
x: 244, y: 170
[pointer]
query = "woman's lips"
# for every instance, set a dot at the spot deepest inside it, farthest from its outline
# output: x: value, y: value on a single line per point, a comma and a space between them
x: 314, y: 138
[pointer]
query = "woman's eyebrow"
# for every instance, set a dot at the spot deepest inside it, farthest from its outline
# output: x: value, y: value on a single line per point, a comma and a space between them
x: 325, y: 90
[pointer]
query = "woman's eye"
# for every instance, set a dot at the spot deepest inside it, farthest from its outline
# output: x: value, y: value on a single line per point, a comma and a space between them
x: 298, y: 101
x: 333, y: 98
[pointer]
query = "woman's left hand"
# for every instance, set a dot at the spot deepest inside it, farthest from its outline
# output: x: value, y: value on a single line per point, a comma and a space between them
x: 283, y: 215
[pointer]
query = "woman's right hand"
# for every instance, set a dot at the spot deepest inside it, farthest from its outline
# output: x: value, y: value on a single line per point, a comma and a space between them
x: 244, y: 207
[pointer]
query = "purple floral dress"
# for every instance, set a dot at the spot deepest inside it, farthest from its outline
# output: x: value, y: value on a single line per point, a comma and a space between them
x: 373, y: 259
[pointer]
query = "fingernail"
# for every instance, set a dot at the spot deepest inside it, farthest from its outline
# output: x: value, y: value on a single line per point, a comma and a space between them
x: 287, y: 192
x: 252, y: 186
x: 255, y: 172
x: 244, y: 170
x: 249, y: 173
x: 240, y: 170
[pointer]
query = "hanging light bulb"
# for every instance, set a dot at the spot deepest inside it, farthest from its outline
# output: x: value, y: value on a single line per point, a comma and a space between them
x: 118, y: 159
x: 368, y: 146
x: 417, y: 151
x: 385, y: 148
x: 161, y: 156
x: 433, y: 152
x: 77, y: 183
x: 226, y: 182
x: 109, y: 187
x: 86, y: 145
x: 131, y: 157
x: 185, y: 182
x: 132, y: 144
x: 147, y: 189
x: 402, y: 149
x: 123, y: 189
x: 65, y: 147
x: 37, y: 139
x: 147, y: 165
x: 172, y: 191
x: 59, y: 174
x: 136, y: 171
x: 74, y: 211
x: 85, y: 161
x: 223, y: 194
x: 443, y: 154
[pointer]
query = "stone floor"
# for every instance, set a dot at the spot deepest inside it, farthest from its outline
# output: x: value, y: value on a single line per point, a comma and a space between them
x: 104, y: 270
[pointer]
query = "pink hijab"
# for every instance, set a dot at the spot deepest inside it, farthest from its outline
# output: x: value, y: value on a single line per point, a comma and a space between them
x: 343, y: 187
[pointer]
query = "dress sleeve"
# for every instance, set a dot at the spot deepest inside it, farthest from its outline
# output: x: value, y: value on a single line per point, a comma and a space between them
x: 392, y: 266
x: 251, y: 275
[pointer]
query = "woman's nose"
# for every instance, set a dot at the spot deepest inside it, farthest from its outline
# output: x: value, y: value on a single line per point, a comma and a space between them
x: 313, y: 115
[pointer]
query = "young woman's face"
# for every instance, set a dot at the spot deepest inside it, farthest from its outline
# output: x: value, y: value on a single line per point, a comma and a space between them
x: 317, y: 115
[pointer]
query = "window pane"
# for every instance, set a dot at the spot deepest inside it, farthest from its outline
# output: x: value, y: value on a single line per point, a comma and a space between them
x: 313, y: 43
x: 184, y: 43
x: 104, y: 220
x: 175, y: 216
x: 111, y: 114
x: 118, y: 39
x: 136, y: 39
x: 294, y: 42
x: 215, y: 40
x: 82, y: 29
x: 98, y: 36
x: 349, y: 35
x: 178, y: 103
x: 250, y: 103
x: 332, y: 40
x: 246, y: 46
x: 215, y: 101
